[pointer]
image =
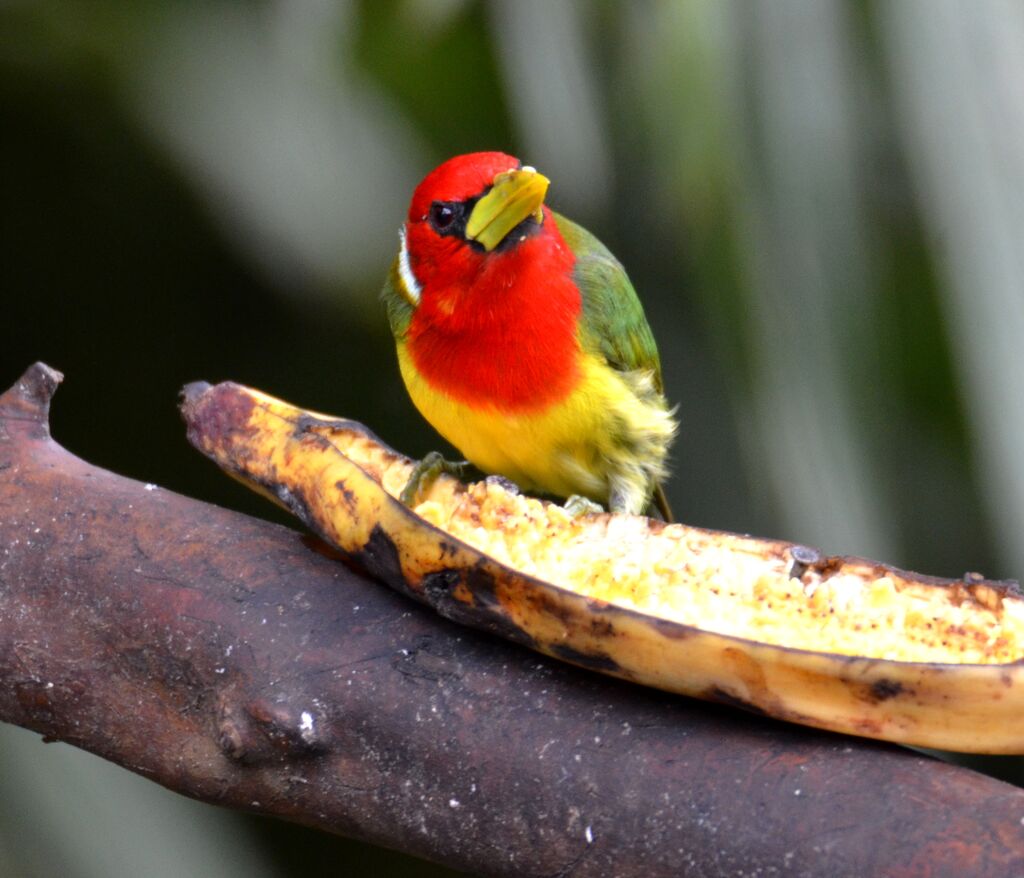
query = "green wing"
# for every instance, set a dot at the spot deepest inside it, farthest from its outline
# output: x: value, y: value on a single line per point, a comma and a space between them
x: 399, y: 308
x: 614, y: 324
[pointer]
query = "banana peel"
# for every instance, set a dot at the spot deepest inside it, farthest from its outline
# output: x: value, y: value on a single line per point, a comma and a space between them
x: 780, y: 629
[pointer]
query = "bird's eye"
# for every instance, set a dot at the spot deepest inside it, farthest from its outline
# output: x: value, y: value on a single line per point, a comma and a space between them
x: 442, y: 215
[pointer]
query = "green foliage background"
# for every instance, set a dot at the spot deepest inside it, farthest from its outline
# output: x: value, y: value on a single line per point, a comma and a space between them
x: 821, y: 203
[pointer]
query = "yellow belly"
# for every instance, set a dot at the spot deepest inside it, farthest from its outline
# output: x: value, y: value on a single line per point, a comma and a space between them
x: 608, y: 436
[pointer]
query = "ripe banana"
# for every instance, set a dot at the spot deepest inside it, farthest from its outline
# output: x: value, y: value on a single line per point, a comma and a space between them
x: 839, y: 643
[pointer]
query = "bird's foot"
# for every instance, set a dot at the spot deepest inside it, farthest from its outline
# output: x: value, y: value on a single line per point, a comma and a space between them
x: 428, y: 469
x: 578, y: 505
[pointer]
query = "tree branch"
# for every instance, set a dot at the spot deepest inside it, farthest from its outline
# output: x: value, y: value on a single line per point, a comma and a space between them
x: 234, y: 661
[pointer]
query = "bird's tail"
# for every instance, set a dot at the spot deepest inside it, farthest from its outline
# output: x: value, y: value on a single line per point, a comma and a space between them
x: 661, y: 503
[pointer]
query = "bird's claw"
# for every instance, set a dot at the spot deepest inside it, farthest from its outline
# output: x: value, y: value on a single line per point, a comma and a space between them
x: 578, y: 505
x: 428, y: 469
x: 502, y: 482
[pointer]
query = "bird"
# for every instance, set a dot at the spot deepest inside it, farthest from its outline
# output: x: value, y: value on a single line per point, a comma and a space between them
x: 522, y: 341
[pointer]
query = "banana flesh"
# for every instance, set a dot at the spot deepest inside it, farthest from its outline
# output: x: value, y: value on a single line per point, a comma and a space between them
x: 837, y: 643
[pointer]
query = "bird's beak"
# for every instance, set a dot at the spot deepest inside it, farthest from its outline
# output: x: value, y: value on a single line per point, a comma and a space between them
x: 515, y: 195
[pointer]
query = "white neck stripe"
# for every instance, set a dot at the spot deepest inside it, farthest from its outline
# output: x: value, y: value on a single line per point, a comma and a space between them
x: 411, y: 286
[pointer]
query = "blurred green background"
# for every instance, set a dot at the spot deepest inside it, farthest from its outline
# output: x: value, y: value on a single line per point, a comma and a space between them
x: 821, y: 203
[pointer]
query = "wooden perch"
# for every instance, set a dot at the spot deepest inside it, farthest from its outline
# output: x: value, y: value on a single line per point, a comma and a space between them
x: 234, y: 661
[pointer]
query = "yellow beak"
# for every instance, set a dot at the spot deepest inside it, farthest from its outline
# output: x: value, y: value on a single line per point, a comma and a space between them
x: 515, y: 195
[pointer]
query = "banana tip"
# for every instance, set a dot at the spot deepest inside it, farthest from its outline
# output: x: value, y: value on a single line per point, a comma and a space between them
x: 190, y: 393
x: 212, y: 411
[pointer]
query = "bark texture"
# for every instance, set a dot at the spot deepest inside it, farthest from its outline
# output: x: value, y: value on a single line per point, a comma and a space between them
x: 237, y: 662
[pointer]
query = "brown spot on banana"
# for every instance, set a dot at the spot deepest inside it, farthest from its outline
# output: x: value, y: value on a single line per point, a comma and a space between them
x: 884, y: 689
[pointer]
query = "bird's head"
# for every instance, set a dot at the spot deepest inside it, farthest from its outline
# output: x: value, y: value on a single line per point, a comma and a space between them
x: 467, y: 211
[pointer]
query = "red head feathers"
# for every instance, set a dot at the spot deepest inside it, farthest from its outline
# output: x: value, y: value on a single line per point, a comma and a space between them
x: 496, y: 304
x: 458, y: 179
